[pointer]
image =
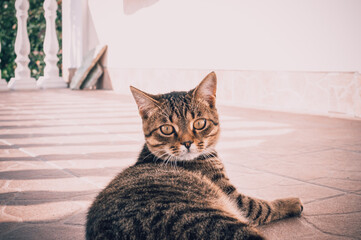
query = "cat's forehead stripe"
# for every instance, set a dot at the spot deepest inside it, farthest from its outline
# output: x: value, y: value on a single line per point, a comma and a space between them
x: 171, y: 118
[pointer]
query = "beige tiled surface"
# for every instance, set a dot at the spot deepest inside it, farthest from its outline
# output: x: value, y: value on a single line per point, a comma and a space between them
x: 58, y: 148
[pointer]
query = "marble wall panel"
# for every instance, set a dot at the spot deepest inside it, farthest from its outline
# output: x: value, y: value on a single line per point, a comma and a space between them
x: 320, y: 93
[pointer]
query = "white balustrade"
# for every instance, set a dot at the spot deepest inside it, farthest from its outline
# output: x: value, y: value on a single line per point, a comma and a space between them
x: 51, y: 77
x: 22, y: 79
x: 3, y: 84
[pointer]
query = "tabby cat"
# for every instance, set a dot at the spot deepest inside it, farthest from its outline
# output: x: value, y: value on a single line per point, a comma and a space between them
x: 178, y: 188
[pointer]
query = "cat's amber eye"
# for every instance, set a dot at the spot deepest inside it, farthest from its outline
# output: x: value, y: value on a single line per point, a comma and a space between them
x: 199, y: 124
x: 167, y: 129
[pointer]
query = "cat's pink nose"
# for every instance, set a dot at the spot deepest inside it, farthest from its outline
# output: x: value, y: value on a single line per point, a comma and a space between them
x: 187, y: 144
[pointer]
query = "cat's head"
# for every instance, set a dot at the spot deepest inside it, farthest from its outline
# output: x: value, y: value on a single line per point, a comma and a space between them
x: 180, y: 125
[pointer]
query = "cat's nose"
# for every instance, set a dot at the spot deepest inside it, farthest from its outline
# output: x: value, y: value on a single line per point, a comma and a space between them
x: 187, y: 144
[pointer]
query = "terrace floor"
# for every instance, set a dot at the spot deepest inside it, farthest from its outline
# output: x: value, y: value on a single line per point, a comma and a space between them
x: 58, y: 148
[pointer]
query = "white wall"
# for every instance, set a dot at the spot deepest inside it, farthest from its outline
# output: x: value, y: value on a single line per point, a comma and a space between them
x: 289, y: 55
x: 275, y: 35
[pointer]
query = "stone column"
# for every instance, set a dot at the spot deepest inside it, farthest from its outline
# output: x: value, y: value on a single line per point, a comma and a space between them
x: 22, y: 79
x: 51, y: 77
x: 3, y: 84
x: 75, y: 22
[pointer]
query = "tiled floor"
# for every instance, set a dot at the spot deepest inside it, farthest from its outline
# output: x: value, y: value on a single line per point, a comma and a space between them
x: 58, y: 148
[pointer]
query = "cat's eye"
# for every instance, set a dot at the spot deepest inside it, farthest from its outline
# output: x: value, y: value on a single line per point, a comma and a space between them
x: 199, y: 124
x: 167, y: 129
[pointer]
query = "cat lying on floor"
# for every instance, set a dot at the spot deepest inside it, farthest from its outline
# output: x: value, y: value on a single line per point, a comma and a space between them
x: 178, y: 188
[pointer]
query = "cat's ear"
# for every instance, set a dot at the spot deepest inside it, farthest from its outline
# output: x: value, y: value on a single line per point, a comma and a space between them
x: 206, y: 90
x: 146, y: 102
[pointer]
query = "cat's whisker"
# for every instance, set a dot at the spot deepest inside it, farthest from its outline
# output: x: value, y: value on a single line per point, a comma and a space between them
x: 173, y: 160
x: 167, y: 161
x: 163, y: 155
x: 154, y: 153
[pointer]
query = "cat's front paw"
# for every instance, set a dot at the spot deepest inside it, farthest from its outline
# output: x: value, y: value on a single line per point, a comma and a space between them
x: 289, y: 207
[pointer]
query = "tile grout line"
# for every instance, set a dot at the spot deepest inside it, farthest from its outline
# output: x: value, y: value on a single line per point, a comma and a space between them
x: 325, y: 232
x: 330, y: 214
x: 296, y: 179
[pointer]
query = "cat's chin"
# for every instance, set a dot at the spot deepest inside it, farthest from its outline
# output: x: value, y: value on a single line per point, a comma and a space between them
x: 188, y: 156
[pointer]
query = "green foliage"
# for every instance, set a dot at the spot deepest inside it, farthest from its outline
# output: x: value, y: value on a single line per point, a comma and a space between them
x: 36, y: 32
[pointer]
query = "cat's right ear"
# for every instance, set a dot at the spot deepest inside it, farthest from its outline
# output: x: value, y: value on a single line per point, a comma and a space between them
x: 206, y: 90
x: 146, y: 102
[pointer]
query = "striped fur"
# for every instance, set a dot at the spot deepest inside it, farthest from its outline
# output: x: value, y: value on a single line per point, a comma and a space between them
x: 178, y: 188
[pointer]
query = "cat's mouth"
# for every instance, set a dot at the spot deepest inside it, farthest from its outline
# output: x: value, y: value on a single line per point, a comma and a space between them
x: 182, y: 154
x: 188, y: 153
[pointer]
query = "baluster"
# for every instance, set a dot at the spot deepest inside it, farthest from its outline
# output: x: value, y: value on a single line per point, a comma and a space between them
x: 51, y: 77
x: 3, y: 84
x: 22, y: 79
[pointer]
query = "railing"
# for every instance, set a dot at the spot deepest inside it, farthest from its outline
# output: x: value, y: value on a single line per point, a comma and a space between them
x: 22, y: 79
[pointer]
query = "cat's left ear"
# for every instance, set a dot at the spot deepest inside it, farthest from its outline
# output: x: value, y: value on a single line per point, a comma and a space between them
x: 206, y: 90
x: 146, y: 102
